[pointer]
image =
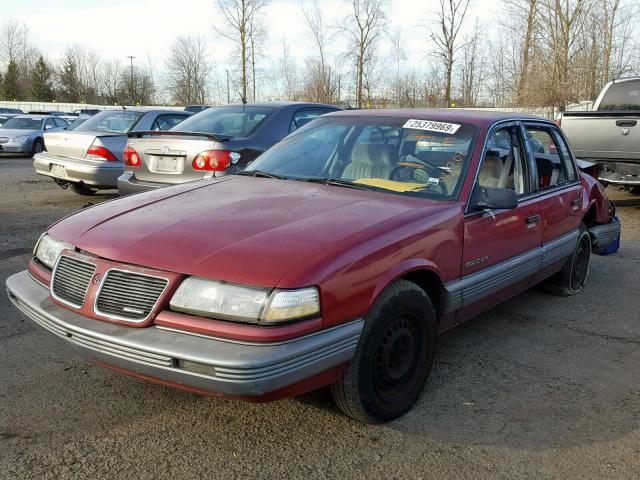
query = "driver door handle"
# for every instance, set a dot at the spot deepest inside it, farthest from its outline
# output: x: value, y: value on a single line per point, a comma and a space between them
x: 533, y: 219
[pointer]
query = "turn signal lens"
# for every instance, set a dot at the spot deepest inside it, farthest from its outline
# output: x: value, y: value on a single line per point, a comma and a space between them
x: 131, y: 157
x: 101, y: 153
x: 213, y: 160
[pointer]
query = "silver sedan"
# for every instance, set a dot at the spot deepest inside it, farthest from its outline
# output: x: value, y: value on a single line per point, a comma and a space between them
x: 89, y: 157
x: 23, y: 134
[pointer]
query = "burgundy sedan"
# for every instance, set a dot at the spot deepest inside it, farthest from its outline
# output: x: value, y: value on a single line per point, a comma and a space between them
x: 334, y: 259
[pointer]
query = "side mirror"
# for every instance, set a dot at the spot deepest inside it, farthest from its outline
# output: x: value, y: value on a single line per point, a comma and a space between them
x: 483, y: 198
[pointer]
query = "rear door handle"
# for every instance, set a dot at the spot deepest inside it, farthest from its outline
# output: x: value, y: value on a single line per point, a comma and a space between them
x: 626, y: 123
x: 533, y: 219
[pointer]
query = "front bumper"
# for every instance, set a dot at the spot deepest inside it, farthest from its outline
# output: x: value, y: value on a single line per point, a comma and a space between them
x: 128, y: 185
x: 101, y: 174
x: 16, y: 148
x: 235, y: 368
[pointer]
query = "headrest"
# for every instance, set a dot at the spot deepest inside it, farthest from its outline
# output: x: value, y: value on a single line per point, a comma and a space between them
x: 374, y: 154
x: 375, y: 136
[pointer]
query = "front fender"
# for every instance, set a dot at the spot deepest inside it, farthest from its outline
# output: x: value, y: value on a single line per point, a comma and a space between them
x: 400, y: 270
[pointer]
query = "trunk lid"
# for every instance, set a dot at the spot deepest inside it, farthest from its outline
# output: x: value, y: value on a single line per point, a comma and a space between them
x: 168, y: 158
x: 73, y: 144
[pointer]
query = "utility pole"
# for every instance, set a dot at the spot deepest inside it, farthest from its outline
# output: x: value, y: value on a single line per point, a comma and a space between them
x: 228, y: 92
x: 133, y: 102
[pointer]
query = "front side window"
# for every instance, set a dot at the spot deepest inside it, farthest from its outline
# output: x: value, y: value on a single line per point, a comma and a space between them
x: 423, y: 158
x: 235, y: 121
x: 114, y: 121
x: 503, y: 164
x: 551, y: 164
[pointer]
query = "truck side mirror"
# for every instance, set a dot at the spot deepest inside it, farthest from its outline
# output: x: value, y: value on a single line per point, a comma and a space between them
x: 489, y: 198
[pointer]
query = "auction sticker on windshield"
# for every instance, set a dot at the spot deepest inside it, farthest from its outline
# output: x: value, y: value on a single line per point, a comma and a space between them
x: 432, y: 126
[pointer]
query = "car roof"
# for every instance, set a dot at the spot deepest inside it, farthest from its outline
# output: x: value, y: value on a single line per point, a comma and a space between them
x: 278, y: 104
x: 33, y: 116
x: 476, y: 117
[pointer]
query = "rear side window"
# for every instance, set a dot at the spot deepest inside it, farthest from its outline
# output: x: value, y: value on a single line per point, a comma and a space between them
x: 304, y: 116
x: 60, y: 123
x: 551, y: 157
x: 234, y: 121
x: 165, y: 122
x: 115, y: 121
x: 621, y: 96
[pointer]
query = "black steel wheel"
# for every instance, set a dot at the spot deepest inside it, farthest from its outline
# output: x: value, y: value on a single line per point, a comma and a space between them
x: 394, y: 356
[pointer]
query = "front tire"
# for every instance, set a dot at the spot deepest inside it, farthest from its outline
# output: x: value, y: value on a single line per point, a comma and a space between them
x: 573, y: 276
x: 37, y: 147
x: 393, y: 359
x: 82, y: 189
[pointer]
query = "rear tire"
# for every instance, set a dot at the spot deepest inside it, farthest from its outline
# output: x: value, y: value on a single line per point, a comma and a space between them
x: 573, y: 276
x: 82, y: 189
x: 393, y: 359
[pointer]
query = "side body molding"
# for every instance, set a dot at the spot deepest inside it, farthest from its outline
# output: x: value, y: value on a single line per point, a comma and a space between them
x: 472, y: 288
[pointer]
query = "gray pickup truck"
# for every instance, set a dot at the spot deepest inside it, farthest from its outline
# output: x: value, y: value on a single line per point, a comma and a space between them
x: 609, y: 135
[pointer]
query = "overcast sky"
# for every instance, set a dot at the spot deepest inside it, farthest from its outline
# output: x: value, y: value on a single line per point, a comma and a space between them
x: 146, y: 28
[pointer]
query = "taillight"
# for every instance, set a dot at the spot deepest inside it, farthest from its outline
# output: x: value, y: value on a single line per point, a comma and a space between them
x: 100, y: 152
x: 213, y: 160
x: 131, y: 157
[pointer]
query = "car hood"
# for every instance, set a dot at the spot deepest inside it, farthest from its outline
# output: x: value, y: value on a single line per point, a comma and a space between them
x: 10, y: 132
x: 239, y: 229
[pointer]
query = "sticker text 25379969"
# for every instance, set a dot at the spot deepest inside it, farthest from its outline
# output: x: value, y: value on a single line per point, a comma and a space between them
x: 432, y: 126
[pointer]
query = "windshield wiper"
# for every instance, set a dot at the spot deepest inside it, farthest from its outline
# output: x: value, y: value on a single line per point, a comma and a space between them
x: 337, y: 182
x: 260, y: 173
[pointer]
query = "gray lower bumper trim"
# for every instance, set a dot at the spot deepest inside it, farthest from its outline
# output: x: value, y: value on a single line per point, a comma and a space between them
x: 237, y: 368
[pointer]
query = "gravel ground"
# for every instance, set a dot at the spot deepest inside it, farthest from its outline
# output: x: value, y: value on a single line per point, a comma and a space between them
x: 539, y: 387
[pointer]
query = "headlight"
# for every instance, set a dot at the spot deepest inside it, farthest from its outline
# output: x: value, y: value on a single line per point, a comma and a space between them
x: 21, y: 139
x: 49, y: 248
x: 208, y: 298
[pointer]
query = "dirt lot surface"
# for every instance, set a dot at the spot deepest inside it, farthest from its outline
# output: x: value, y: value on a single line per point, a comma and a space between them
x: 539, y: 387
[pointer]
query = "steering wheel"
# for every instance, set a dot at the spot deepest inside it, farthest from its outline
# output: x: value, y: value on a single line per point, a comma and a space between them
x: 431, y: 171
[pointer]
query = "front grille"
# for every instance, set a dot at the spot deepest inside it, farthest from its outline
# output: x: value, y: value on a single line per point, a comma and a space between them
x: 129, y: 296
x: 4, y: 140
x: 71, y: 280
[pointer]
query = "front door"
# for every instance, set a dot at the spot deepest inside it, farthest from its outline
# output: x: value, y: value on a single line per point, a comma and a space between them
x: 501, y: 247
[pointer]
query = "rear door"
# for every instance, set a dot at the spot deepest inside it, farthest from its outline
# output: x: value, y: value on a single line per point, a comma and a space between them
x: 559, y: 192
x: 502, y: 248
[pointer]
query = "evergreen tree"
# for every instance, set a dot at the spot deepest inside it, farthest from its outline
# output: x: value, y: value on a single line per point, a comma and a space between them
x: 11, y: 83
x: 41, y: 81
x: 70, y: 86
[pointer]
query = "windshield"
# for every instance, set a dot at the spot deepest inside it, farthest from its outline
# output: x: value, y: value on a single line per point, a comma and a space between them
x: 236, y: 121
x: 621, y: 96
x: 17, y: 123
x: 114, y: 121
x: 403, y: 156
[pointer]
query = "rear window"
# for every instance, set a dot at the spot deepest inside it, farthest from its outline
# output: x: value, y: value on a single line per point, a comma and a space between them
x: 114, y: 121
x: 236, y: 121
x: 23, y: 124
x: 621, y: 96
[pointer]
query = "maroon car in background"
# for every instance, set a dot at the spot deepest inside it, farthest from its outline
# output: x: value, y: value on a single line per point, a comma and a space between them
x: 335, y: 259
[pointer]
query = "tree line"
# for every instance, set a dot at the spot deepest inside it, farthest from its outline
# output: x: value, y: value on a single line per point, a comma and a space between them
x: 536, y: 53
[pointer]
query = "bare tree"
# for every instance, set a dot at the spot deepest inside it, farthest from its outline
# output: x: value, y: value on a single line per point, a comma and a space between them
x: 445, y: 31
x: 472, y: 68
x: 188, y: 70
x: 240, y: 18
x: 363, y: 27
x: 288, y: 73
x: 14, y: 40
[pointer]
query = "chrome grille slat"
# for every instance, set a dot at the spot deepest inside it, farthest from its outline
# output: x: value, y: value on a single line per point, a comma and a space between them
x: 70, y: 282
x: 122, y: 290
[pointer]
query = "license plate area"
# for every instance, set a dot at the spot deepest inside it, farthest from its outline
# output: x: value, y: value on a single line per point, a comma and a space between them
x: 58, y: 171
x: 167, y: 164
